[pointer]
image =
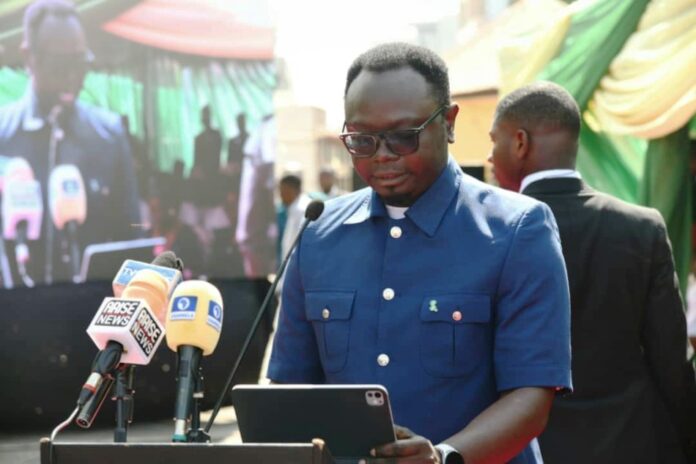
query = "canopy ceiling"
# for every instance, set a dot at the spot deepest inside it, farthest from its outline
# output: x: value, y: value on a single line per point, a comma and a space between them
x: 206, y: 28
x: 202, y: 28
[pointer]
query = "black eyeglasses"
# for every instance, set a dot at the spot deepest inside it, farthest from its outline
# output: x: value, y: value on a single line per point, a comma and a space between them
x: 401, y: 142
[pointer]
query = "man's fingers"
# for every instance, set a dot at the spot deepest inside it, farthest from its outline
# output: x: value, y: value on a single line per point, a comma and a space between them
x: 406, y: 447
x: 401, y: 460
x: 402, y: 432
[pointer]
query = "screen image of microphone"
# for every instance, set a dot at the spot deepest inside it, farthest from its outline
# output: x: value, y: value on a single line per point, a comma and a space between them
x: 21, y: 210
x: 193, y: 324
x: 312, y: 213
x: 68, y: 205
x: 127, y: 330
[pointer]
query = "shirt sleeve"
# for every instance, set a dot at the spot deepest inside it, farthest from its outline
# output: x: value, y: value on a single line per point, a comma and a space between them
x: 294, y: 358
x: 532, y: 318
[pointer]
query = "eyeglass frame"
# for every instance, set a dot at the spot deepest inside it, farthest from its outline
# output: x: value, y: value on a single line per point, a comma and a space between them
x: 382, y: 135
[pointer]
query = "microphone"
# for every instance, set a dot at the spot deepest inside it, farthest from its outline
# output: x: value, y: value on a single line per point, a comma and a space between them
x: 127, y: 330
x: 22, y: 211
x: 312, y: 213
x: 166, y: 264
x: 68, y: 204
x: 194, y: 322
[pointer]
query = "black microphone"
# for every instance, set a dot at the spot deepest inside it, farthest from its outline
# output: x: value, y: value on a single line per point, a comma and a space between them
x: 312, y: 213
x: 89, y: 410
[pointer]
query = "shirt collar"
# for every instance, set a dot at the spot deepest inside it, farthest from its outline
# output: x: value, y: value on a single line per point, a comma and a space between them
x: 548, y: 174
x: 33, y: 120
x: 427, y: 212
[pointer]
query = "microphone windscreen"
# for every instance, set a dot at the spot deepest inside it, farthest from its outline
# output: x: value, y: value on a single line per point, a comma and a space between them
x: 17, y: 168
x: 314, y: 210
x: 164, y: 264
x: 194, y: 317
x: 21, y: 203
x: 166, y: 259
x: 152, y: 287
x: 67, y: 196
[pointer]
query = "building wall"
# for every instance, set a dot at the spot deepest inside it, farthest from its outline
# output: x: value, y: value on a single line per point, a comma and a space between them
x: 299, y: 129
x: 472, y: 142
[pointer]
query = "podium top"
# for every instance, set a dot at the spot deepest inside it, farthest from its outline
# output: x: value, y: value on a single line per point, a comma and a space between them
x: 184, y: 453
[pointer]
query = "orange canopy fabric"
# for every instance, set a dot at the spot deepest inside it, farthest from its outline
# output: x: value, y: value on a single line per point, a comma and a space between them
x: 194, y: 27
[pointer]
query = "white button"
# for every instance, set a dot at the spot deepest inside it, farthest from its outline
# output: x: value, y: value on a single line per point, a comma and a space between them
x: 388, y: 294
x: 383, y: 360
x: 395, y: 232
x: 457, y: 316
x: 325, y: 313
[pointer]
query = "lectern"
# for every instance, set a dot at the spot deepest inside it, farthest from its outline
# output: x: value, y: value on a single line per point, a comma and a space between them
x: 184, y: 453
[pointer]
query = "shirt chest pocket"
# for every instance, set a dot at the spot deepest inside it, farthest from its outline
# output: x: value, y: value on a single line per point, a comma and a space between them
x: 455, y: 333
x: 330, y: 314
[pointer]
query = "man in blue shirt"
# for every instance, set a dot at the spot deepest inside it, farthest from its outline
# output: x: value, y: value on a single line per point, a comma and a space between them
x: 451, y: 293
x: 57, y: 57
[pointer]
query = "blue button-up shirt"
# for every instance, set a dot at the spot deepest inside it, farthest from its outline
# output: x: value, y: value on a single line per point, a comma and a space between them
x: 464, y: 298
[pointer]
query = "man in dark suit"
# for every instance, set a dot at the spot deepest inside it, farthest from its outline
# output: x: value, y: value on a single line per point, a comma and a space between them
x: 50, y: 115
x: 634, y: 392
x: 207, y: 146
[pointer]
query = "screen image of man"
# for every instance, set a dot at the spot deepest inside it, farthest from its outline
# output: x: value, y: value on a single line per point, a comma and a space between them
x: 451, y: 293
x: 634, y: 397
x: 49, y: 127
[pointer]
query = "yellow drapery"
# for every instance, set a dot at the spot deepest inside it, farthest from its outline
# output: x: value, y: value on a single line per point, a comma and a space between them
x: 650, y: 89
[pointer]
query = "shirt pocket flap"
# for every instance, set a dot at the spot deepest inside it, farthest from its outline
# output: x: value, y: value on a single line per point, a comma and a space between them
x: 461, y: 308
x: 329, y: 306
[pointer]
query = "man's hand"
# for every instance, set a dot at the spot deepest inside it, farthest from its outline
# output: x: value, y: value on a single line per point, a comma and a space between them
x: 408, y: 448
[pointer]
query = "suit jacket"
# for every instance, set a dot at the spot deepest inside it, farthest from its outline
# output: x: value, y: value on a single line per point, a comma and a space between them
x: 94, y: 141
x: 634, y: 392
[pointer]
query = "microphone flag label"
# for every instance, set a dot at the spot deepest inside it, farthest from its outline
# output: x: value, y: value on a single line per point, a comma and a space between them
x: 117, y: 313
x: 184, y: 308
x: 215, y: 316
x: 146, y: 331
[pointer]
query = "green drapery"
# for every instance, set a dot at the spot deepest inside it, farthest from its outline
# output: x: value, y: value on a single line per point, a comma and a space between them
x: 163, y: 107
x: 653, y: 174
x: 179, y: 91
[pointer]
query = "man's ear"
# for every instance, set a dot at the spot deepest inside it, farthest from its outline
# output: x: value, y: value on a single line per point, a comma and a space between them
x: 521, y: 144
x: 450, y: 117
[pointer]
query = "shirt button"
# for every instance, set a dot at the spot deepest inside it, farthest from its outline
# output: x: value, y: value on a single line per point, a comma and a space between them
x: 383, y: 360
x: 395, y: 232
x: 457, y: 316
x: 325, y: 313
x: 388, y: 294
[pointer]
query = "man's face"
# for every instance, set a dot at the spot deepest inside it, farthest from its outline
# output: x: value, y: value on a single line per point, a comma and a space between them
x: 392, y: 100
x: 288, y: 193
x: 326, y: 181
x: 58, y: 60
x: 506, y: 166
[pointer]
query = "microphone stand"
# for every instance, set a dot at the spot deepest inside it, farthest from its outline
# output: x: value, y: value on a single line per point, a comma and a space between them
x: 5, y: 271
x: 57, y: 135
x: 124, y: 401
x: 196, y: 434
x: 71, y: 229
x: 254, y: 327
